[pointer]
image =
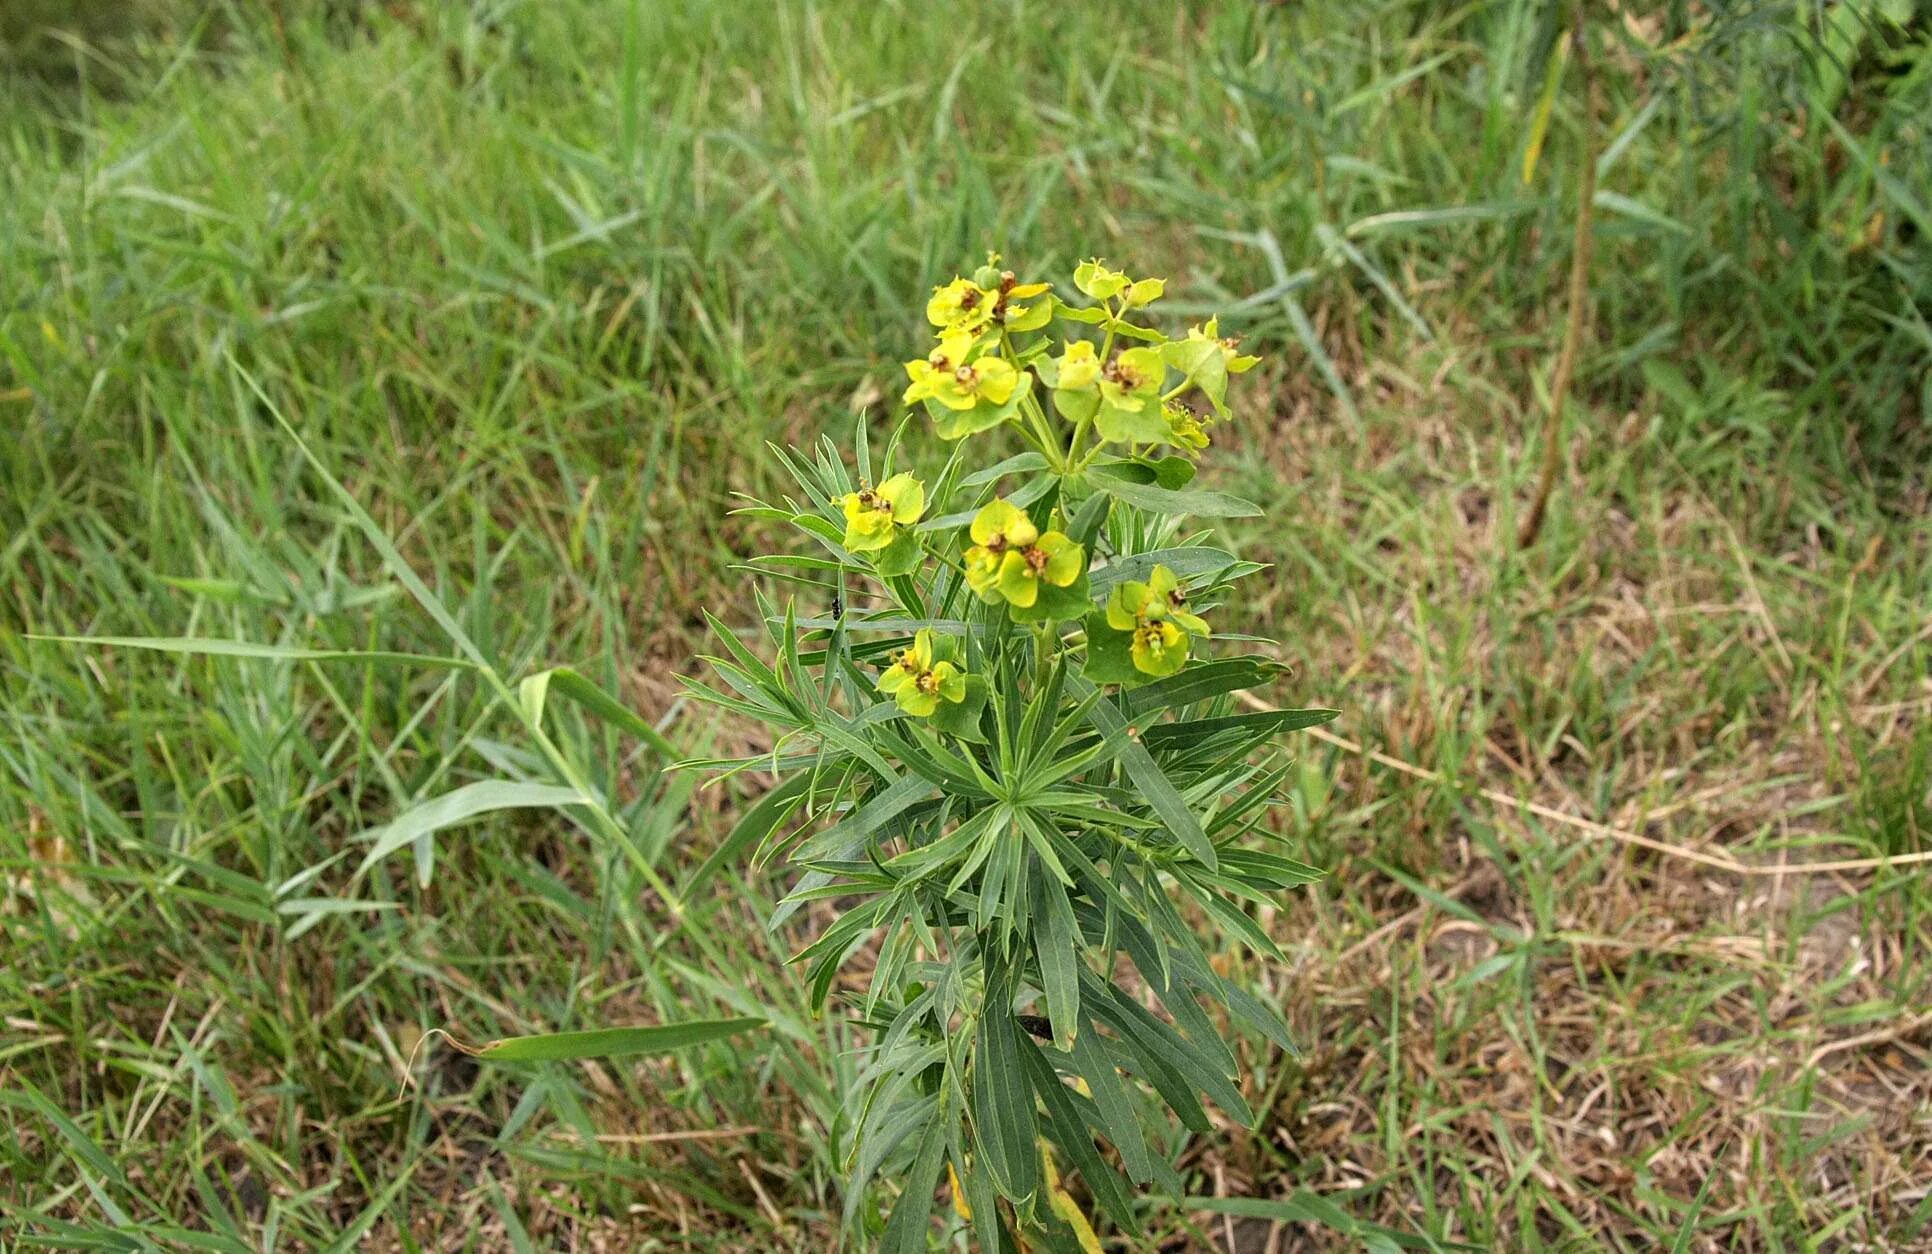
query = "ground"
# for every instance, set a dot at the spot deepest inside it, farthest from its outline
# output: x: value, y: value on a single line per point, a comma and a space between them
x: 537, y: 282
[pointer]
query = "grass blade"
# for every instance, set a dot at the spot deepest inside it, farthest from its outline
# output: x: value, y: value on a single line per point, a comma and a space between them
x: 663, y: 1038
x: 460, y: 806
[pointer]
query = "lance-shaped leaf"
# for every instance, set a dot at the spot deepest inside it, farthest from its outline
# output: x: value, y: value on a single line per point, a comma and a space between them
x: 661, y: 1038
x: 460, y: 805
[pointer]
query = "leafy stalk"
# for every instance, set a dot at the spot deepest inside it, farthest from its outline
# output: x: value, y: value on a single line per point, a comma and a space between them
x: 1022, y: 751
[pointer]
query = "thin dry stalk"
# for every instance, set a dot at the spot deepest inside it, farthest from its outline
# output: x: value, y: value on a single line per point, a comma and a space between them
x: 1580, y: 249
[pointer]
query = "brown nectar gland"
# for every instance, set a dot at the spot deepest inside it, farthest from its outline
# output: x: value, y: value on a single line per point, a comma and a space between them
x: 1036, y: 558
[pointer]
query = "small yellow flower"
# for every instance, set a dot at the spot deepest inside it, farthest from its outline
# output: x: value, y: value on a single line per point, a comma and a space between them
x: 947, y: 376
x: 1132, y: 378
x: 1008, y: 292
x: 917, y: 682
x: 1130, y: 398
x: 961, y: 305
x: 871, y: 514
x: 1156, y: 613
x: 1207, y: 360
x: 1079, y: 367
x: 1010, y: 558
x: 1096, y: 280
x: 1186, y: 429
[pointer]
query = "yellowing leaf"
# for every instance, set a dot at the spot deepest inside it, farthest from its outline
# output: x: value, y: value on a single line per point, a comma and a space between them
x: 960, y: 1205
x: 1069, y: 1210
x: 1545, y: 106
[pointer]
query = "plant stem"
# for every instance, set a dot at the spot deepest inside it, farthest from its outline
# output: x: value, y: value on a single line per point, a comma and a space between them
x: 1073, y: 445
x: 1580, y: 248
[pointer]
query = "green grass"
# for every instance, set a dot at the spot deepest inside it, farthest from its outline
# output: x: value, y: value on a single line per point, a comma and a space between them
x: 536, y: 281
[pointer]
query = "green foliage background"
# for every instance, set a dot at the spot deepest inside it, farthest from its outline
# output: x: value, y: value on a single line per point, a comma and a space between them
x: 536, y: 281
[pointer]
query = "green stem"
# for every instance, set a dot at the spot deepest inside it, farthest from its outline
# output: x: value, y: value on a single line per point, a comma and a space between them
x: 945, y: 558
x: 1049, y: 447
x: 1030, y: 403
x: 1072, y: 464
x: 1088, y: 460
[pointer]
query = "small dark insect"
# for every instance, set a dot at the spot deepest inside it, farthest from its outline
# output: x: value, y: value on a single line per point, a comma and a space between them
x: 838, y: 606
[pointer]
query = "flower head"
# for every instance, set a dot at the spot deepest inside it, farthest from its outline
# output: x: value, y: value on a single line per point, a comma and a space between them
x: 947, y: 376
x: 1096, y: 280
x: 1079, y: 367
x: 1132, y: 378
x: 1129, y: 408
x: 961, y: 305
x: 918, y: 682
x: 1010, y: 557
x: 1157, y: 615
x: 871, y: 514
x: 1186, y: 429
x: 1000, y: 525
x: 1207, y: 359
x: 1008, y: 312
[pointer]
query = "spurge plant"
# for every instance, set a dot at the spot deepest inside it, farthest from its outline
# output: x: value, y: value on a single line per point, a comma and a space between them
x: 1007, y: 760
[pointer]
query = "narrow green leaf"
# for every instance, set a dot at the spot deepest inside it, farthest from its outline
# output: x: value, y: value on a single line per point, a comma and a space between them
x: 1149, y: 778
x: 1184, y: 562
x: 1019, y: 463
x: 1056, y: 944
x: 907, y: 1230
x: 752, y: 829
x: 1199, y: 502
x: 1175, y: 735
x: 1003, y: 1103
x: 22, y: 1095
x: 1118, y: 1121
x: 569, y: 683
x: 614, y: 1042
x: 1198, y: 683
x: 205, y: 646
x: 882, y: 807
x: 1069, y: 1131
x: 459, y: 806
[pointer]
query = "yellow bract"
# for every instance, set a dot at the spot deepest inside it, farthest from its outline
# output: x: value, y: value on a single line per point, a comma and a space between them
x: 1079, y: 366
x: 872, y: 513
x: 960, y: 305
x: 1156, y: 613
x: 1010, y: 557
x: 956, y: 379
x: 918, y: 682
